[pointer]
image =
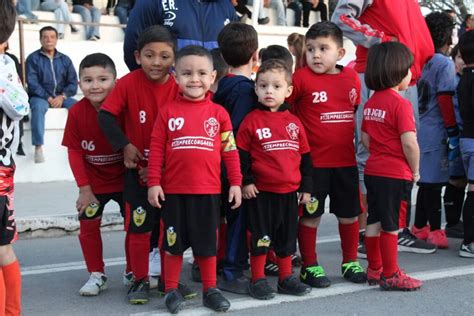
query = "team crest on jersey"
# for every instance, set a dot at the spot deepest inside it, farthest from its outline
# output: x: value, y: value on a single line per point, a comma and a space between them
x: 211, y: 126
x: 139, y: 215
x: 171, y: 236
x: 91, y: 209
x: 264, y: 242
x: 353, y: 96
x: 293, y: 130
x: 312, y: 205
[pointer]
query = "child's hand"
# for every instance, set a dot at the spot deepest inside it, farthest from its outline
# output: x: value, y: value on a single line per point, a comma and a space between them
x: 303, y: 198
x: 131, y: 156
x: 155, y: 194
x: 235, y: 194
x: 86, y: 197
x: 416, y: 177
x: 249, y: 191
x: 143, y: 173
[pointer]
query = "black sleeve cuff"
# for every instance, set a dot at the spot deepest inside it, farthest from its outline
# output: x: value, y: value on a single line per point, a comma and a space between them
x: 112, y: 131
x: 246, y: 167
x: 306, y: 168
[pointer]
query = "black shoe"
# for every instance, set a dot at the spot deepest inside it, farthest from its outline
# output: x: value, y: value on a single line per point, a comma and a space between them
x: 292, y: 286
x: 74, y: 29
x: 314, y: 276
x: 455, y: 231
x: 261, y: 290
x: 361, y: 252
x: 174, y: 301
x: 138, y: 292
x: 183, y: 289
x: 353, y: 272
x: 264, y: 20
x: 296, y: 261
x: 20, y: 151
x: 238, y: 286
x: 271, y: 268
x: 407, y: 242
x: 195, y: 273
x: 214, y: 300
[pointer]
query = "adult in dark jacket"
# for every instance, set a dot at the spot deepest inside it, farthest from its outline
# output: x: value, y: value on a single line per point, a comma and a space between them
x: 196, y: 22
x: 52, y: 81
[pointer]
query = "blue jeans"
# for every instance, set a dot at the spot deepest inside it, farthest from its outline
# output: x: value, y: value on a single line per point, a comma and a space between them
x: 39, y: 107
x: 92, y: 15
x: 24, y: 7
x: 61, y: 12
x: 122, y: 13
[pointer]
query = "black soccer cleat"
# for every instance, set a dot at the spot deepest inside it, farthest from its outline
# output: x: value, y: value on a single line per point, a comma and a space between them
x: 174, y: 301
x: 214, y: 300
x: 138, y: 292
x: 292, y: 286
x: 261, y: 290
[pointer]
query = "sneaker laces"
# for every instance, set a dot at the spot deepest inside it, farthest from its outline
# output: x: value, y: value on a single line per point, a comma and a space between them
x: 95, y: 279
x: 316, y: 271
x: 353, y: 266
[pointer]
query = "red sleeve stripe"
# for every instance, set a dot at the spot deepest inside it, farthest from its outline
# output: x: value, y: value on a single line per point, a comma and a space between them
x: 361, y: 28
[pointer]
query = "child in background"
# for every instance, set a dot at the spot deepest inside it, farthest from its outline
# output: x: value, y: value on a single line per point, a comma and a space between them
x: 13, y: 106
x: 190, y: 138
x: 276, y: 163
x: 466, y: 103
x: 437, y: 124
x: 97, y: 168
x: 295, y: 43
x: 220, y: 66
x: 325, y: 97
x: 389, y: 134
x: 277, y: 52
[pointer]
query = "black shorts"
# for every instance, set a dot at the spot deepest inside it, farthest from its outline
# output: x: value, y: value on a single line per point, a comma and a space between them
x: 342, y: 186
x: 8, y: 232
x: 140, y: 216
x: 94, y: 210
x: 389, y: 201
x: 190, y: 220
x: 272, y: 222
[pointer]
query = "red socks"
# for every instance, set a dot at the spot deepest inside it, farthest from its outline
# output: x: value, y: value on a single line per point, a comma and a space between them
x: 3, y: 293
x: 257, y: 266
x: 12, y: 282
x: 91, y: 244
x: 139, y: 244
x: 207, y: 265
x: 222, y: 242
x: 374, y: 257
x: 349, y: 241
x: 389, y: 252
x: 173, y: 269
x: 307, y: 243
x: 284, y: 266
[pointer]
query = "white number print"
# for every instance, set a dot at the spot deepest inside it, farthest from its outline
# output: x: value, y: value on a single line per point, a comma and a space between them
x: 264, y: 133
x: 175, y: 124
x: 142, y: 116
x: 88, y: 145
x: 320, y: 97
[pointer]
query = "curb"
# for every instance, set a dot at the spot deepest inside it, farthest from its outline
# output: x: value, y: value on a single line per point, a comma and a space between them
x: 61, y: 225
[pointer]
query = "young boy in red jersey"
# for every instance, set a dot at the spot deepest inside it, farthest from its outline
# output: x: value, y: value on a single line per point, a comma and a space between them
x: 190, y: 138
x: 97, y: 168
x: 13, y: 106
x: 139, y: 95
x: 275, y: 163
x: 325, y: 97
x: 389, y: 134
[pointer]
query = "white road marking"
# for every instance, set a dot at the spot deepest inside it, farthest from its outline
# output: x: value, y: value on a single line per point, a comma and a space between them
x: 338, y: 289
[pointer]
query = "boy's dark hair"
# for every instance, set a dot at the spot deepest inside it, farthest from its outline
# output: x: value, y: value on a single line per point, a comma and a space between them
x: 156, y: 34
x: 100, y: 60
x: 48, y: 28
x: 441, y: 27
x: 8, y: 18
x: 325, y: 29
x: 238, y: 42
x: 387, y: 64
x: 276, y: 65
x: 278, y: 52
x: 454, y: 52
x: 220, y: 66
x: 466, y: 47
x: 194, y: 50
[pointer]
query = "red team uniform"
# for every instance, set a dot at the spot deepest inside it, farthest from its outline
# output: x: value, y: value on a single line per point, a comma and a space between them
x: 93, y: 162
x: 189, y: 139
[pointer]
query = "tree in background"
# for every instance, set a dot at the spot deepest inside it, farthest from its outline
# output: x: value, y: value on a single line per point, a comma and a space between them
x: 459, y: 6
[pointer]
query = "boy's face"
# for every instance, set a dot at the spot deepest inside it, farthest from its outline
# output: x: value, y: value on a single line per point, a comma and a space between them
x: 272, y: 89
x: 322, y: 55
x: 96, y: 83
x: 459, y: 63
x: 195, y: 75
x: 156, y: 60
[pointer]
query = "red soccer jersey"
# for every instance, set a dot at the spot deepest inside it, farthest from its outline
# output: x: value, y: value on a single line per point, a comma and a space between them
x: 139, y: 100
x: 386, y: 117
x: 188, y: 140
x: 275, y: 141
x: 100, y: 167
x: 325, y: 104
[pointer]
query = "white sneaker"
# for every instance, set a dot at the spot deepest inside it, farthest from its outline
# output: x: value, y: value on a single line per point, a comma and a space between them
x: 153, y: 282
x: 154, y: 261
x: 39, y: 156
x: 96, y: 283
x: 466, y: 251
x: 128, y: 279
